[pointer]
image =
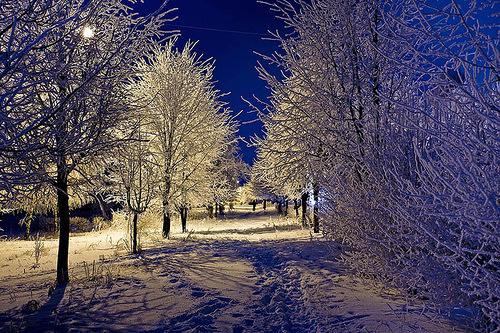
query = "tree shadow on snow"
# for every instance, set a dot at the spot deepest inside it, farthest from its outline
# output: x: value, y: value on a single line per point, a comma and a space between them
x: 43, y: 318
x: 269, y: 254
x: 245, y: 214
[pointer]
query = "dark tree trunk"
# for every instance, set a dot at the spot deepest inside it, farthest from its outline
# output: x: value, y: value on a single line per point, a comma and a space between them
x: 264, y: 203
x: 286, y: 207
x: 184, y: 213
x: 216, y: 210
x: 134, y: 233
x: 166, y: 208
x: 316, y: 209
x: 254, y: 204
x: 221, y: 210
x: 210, y: 210
x: 166, y: 221
x: 303, y: 202
x: 296, y: 207
x: 63, y: 214
x: 280, y: 207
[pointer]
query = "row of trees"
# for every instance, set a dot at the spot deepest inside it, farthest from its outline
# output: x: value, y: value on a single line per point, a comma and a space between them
x: 388, y: 113
x: 267, y: 188
x: 96, y: 102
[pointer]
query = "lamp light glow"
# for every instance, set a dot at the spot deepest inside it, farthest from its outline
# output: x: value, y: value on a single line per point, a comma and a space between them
x: 87, y: 32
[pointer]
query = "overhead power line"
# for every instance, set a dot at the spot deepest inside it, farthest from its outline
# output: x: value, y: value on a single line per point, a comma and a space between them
x: 219, y: 30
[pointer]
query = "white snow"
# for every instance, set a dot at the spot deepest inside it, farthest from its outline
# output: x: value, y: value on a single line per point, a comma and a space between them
x: 253, y: 272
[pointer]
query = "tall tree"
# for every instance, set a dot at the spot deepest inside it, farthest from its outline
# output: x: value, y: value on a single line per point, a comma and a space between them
x: 75, y: 94
x: 191, y: 125
x: 25, y: 27
x: 134, y: 171
x: 289, y: 161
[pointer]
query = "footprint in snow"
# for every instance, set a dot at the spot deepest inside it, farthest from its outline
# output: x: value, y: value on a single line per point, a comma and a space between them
x: 238, y: 329
x: 200, y: 319
x: 248, y: 322
x: 197, y: 292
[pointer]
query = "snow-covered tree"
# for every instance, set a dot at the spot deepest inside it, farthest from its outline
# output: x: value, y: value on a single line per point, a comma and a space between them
x: 447, y: 189
x: 191, y: 126
x: 289, y: 155
x: 224, y: 177
x: 25, y: 26
x: 399, y: 105
x: 72, y: 94
x: 134, y: 171
x: 246, y: 194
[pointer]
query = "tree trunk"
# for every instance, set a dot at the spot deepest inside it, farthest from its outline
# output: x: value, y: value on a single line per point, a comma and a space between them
x: 286, y: 207
x: 303, y: 202
x: 254, y: 204
x: 184, y: 212
x: 103, y: 206
x: 296, y: 207
x: 134, y: 233
x: 316, y: 209
x: 216, y: 210
x: 264, y: 203
x: 221, y: 210
x: 210, y: 210
x: 166, y: 220
x: 63, y: 214
x: 166, y: 209
x: 280, y: 207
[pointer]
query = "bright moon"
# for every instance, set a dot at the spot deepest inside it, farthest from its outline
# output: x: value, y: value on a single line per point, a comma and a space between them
x: 88, y: 32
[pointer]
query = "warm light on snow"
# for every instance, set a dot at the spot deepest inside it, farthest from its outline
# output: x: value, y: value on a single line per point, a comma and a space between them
x: 243, y: 261
x: 88, y: 32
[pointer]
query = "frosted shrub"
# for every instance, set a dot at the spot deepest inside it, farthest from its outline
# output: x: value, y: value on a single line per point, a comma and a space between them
x: 80, y: 224
x: 38, y: 250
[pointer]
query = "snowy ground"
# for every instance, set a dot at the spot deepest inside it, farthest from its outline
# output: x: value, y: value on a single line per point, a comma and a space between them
x: 253, y: 272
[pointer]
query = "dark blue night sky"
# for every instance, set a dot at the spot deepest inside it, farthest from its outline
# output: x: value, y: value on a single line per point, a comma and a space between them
x: 210, y: 22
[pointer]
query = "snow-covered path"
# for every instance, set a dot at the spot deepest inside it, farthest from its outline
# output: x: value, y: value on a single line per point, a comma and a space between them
x: 254, y: 273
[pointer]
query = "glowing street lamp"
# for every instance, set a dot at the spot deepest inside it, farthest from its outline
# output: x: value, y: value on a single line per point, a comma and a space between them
x: 87, y: 32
